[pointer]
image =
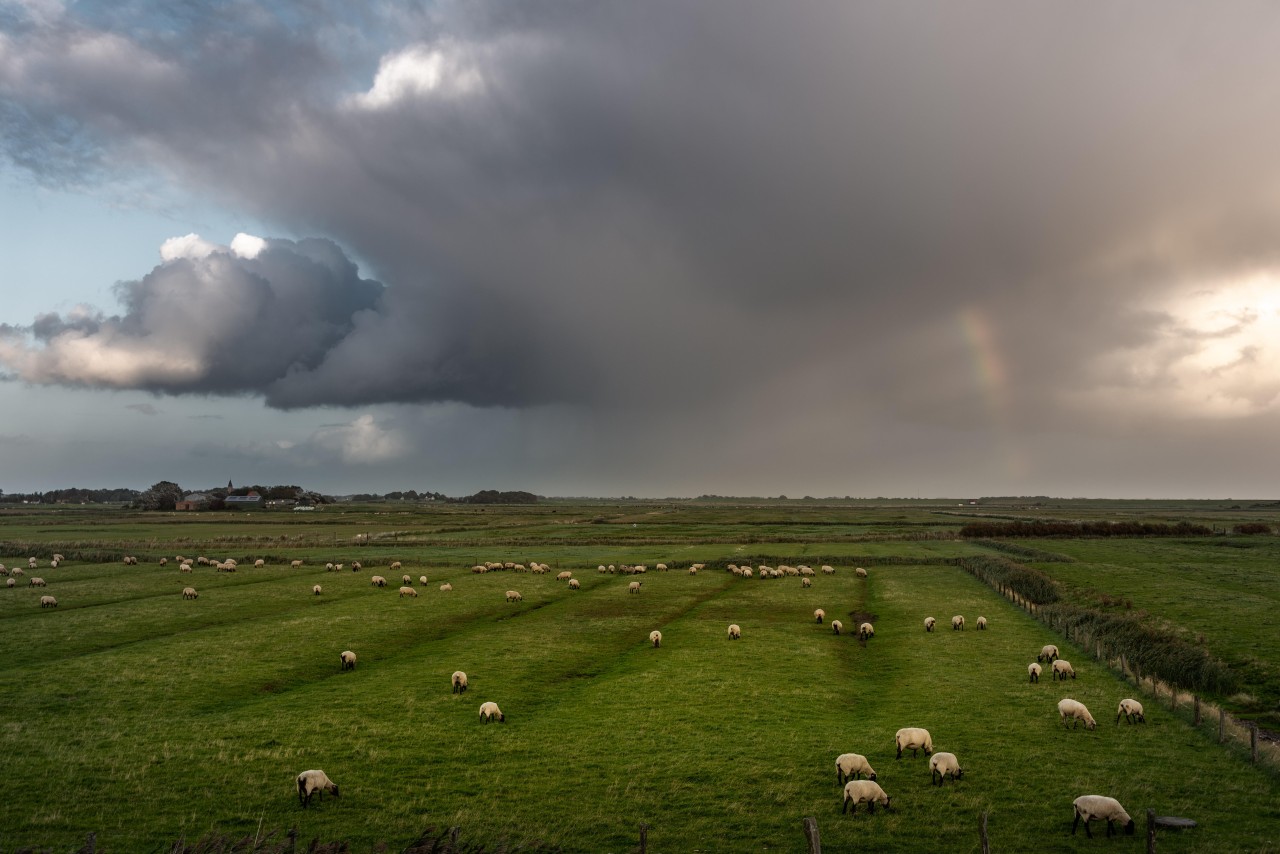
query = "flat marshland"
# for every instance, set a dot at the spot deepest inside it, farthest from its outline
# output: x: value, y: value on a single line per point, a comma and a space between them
x: 145, y: 718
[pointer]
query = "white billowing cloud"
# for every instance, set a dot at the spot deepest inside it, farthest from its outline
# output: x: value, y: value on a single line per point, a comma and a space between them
x: 191, y: 246
x: 420, y: 71
x: 362, y: 441
x: 247, y: 245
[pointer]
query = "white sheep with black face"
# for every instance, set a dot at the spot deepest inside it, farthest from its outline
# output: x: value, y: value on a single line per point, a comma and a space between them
x: 310, y: 782
x: 851, y: 766
x: 490, y: 712
x: 1131, y: 710
x: 913, y: 738
x: 1076, y: 711
x: 942, y: 764
x: 863, y: 792
x: 1090, y: 807
x: 459, y: 682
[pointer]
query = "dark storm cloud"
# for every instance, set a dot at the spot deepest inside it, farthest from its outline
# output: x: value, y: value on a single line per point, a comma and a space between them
x: 674, y: 204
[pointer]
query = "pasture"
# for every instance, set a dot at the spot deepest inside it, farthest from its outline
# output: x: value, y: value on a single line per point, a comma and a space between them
x: 144, y: 717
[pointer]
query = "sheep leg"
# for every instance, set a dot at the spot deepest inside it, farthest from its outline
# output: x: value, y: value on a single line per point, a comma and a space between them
x: 871, y: 806
x: 899, y: 751
x: 845, y: 806
x: 1110, y: 830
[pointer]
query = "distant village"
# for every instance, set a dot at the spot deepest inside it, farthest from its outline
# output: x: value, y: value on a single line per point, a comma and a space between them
x: 167, y: 495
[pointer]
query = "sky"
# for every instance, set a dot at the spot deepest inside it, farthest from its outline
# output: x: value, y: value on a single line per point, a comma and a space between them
x: 651, y: 249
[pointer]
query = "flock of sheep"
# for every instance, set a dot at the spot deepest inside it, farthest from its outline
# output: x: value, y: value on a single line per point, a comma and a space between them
x: 850, y: 767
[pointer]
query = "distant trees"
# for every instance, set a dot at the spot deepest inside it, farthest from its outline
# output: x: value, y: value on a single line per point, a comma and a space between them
x: 1083, y: 529
x: 161, y: 496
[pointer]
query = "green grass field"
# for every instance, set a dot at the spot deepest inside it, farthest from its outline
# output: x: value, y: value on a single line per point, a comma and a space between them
x: 145, y: 718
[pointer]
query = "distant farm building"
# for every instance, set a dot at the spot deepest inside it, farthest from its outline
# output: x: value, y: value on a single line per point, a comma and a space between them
x: 245, y: 502
x: 193, y: 501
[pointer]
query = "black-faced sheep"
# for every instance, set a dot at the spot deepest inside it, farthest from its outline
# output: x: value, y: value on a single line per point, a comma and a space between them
x: 634, y: 587
x: 164, y: 561
x: 395, y: 564
x: 405, y: 579
x: 347, y: 660
x: 446, y: 587
x: 819, y: 615
x: 828, y: 570
x: 804, y: 582
x: 655, y: 638
x: 981, y: 623
x: 1089, y: 807
x: 514, y: 596
x: 48, y: 602
x: 1131, y: 711
x: 851, y: 766
x: 378, y: 581
x: 866, y: 631
x: 36, y: 581
x: 422, y: 579
x: 735, y: 631
x: 490, y: 712
x: 1074, y: 709
x: 317, y: 590
x: 408, y: 591
x: 957, y: 622
x: 860, y: 572
x: 1048, y: 653
x: 929, y: 623
x: 1033, y: 672
x: 310, y: 782
x: 574, y: 584
x: 294, y: 564
x: 189, y: 593
x: 942, y: 764
x: 913, y: 738
x: 9, y: 582
x: 1062, y: 669
x: 837, y: 626
x: 863, y: 791
x: 459, y: 682
x: 260, y: 563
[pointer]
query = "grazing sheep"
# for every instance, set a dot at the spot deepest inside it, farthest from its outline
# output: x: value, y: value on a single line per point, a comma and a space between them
x: 459, y: 682
x: 828, y: 570
x: 819, y: 615
x: 746, y: 572
x: 929, y: 623
x: 490, y: 711
x: 446, y: 587
x: 851, y: 766
x: 1062, y: 669
x: 634, y: 587
x: 328, y: 567
x: 347, y: 660
x: 260, y: 563
x: 404, y: 579
x: 395, y: 564
x: 58, y: 557
x: 378, y: 581
x: 356, y: 566
x: 693, y: 570
x: 804, y: 582
x: 1048, y: 653
x: 48, y: 602
x: 982, y: 624
x: 837, y: 626
x: 1033, y: 671
x: 9, y: 582
x: 17, y: 572
x: 164, y: 561
x: 564, y: 576
x: 735, y: 631
x: 514, y: 596
x: 913, y: 738
x: 602, y: 569
x: 1075, y: 710
x: 53, y: 564
x: 422, y: 579
x: 129, y: 560
x: 860, y: 572
x: 942, y: 764
x: 408, y: 591
x: 662, y: 567
x: 863, y: 791
x: 574, y: 584
x: 317, y: 590
x: 294, y: 564
x: 866, y: 631
x: 957, y: 622
x: 313, y: 781
x: 190, y: 593
x: 204, y: 561
x: 1090, y: 807
x: 31, y: 563
x: 184, y: 567
x: 1131, y: 711
x: 36, y: 581
x: 655, y: 638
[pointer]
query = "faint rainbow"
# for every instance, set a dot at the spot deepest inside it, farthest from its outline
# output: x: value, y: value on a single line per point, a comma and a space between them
x: 991, y: 378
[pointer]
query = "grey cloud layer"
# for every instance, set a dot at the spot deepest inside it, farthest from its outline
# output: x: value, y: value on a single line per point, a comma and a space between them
x: 665, y: 204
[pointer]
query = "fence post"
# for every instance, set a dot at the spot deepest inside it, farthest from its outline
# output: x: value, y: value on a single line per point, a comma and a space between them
x: 811, y: 835
x: 1222, y: 725
x: 1124, y: 668
x: 644, y: 837
x: 1196, y: 699
x: 982, y: 834
x: 1151, y: 832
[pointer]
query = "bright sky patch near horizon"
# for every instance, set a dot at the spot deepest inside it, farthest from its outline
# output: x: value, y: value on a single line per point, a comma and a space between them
x: 653, y: 249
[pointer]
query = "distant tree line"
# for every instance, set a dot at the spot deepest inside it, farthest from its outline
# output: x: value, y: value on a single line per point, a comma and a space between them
x: 1083, y: 529
x: 71, y: 495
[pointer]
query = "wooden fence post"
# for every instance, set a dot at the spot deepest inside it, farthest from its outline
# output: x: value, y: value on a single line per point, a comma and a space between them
x: 1151, y: 832
x: 982, y: 835
x: 811, y: 835
x: 644, y: 837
